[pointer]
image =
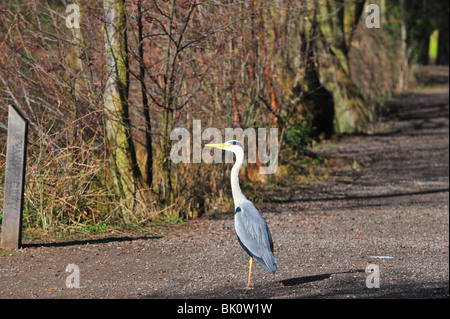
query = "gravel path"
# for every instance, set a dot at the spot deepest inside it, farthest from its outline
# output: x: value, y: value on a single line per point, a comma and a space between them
x: 384, y: 202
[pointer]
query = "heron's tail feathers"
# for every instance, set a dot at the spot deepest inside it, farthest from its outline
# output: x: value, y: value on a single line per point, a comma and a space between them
x: 267, y: 260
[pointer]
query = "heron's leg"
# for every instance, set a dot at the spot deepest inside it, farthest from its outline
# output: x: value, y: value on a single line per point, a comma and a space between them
x: 250, y: 273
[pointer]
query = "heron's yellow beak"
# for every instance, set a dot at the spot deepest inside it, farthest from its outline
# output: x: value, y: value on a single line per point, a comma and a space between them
x: 221, y: 146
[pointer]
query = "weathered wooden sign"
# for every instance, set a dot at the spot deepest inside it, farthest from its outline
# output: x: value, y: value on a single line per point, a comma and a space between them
x: 14, y: 180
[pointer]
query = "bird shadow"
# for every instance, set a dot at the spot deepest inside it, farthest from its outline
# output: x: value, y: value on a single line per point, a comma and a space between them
x: 306, y: 279
x: 264, y: 291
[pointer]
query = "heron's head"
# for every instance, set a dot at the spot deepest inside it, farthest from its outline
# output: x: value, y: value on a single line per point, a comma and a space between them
x: 232, y: 146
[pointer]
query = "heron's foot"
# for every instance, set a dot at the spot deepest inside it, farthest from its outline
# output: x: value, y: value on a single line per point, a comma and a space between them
x: 246, y: 288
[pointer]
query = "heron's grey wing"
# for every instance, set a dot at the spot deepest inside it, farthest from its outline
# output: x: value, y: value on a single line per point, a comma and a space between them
x: 254, y: 235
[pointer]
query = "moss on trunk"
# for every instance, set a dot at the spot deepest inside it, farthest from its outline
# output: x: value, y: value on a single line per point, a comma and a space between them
x: 126, y: 175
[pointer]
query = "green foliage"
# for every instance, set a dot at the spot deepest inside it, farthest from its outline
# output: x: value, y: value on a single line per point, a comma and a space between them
x: 433, y: 52
x: 299, y: 138
x: 300, y: 135
x: 98, y: 228
x: 173, y: 219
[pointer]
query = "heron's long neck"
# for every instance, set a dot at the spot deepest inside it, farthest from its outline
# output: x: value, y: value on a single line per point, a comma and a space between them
x: 238, y: 197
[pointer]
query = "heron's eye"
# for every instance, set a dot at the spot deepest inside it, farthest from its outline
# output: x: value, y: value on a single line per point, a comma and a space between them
x: 238, y: 209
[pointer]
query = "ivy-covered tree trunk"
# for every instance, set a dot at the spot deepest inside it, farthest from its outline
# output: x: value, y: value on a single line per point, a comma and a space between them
x: 337, y: 19
x: 127, y: 178
x: 317, y: 100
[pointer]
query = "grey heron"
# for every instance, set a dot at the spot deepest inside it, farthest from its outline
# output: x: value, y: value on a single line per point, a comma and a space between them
x: 251, y: 229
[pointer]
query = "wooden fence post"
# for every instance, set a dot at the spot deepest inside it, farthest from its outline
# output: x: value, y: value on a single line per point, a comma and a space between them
x: 14, y: 180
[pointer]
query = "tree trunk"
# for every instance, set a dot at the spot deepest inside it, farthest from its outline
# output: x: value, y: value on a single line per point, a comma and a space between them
x: 167, y: 194
x: 443, y: 44
x: 318, y: 101
x: 337, y: 19
x: 166, y: 191
x: 145, y: 103
x: 125, y: 172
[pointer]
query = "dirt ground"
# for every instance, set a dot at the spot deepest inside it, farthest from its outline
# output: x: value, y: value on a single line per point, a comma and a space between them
x: 384, y: 202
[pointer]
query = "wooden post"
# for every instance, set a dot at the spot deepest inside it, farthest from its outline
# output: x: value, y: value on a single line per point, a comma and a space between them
x: 14, y: 180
